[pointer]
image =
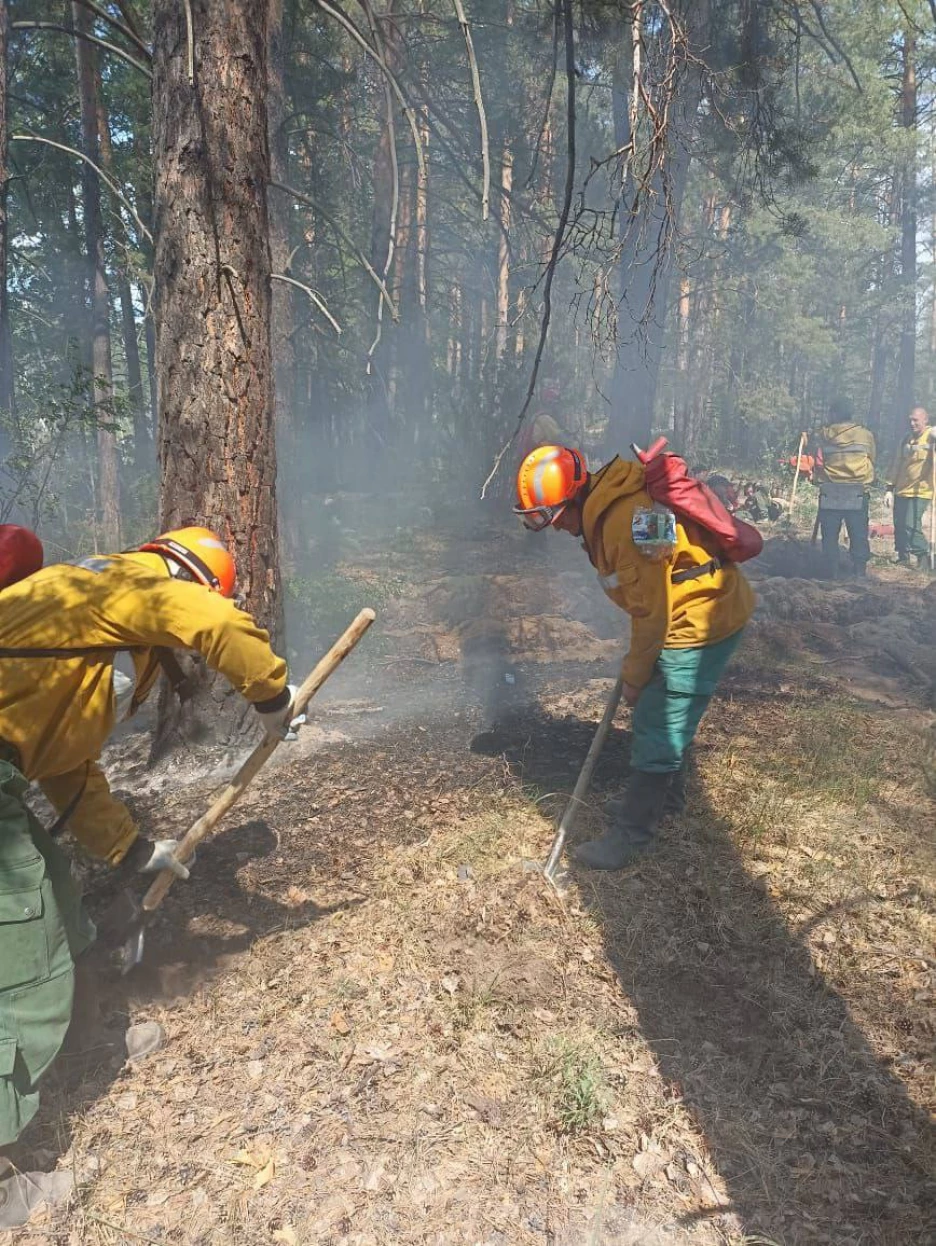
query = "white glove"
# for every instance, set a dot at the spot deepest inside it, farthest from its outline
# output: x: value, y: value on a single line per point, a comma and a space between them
x: 163, y: 857
x: 280, y: 724
x: 889, y: 499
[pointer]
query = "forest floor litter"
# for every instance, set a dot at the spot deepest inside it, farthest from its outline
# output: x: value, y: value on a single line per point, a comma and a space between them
x: 380, y: 1025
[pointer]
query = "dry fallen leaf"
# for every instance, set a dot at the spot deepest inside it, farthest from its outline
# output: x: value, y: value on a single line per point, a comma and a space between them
x: 286, y: 1234
x: 340, y: 1022
x: 264, y: 1175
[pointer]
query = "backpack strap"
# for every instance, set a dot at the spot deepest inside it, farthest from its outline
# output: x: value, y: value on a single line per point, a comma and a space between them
x: 694, y: 573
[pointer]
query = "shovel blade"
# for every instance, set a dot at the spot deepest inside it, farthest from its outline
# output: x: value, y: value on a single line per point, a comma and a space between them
x: 131, y: 952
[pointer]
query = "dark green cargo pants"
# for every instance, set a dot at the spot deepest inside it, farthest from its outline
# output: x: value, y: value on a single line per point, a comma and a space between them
x: 43, y: 928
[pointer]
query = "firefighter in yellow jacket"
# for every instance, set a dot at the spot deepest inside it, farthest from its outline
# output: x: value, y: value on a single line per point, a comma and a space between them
x: 61, y: 632
x: 910, y: 488
x: 845, y: 455
x: 687, y: 613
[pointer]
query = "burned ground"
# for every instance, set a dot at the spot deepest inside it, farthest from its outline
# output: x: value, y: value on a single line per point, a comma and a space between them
x: 382, y: 1025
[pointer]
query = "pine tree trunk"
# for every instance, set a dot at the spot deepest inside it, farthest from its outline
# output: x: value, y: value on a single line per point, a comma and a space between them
x: 108, y: 487
x: 7, y: 392
x: 644, y: 274
x: 212, y: 290
x: 142, y: 442
x: 906, y: 360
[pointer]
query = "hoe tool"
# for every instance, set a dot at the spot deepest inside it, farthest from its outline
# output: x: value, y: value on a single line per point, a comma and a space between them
x: 577, y: 799
x: 132, y: 951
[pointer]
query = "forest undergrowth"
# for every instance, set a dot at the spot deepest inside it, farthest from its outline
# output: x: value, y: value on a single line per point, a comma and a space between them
x: 383, y: 1026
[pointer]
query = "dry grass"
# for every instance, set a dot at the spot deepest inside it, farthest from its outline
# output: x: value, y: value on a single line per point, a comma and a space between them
x: 382, y: 1028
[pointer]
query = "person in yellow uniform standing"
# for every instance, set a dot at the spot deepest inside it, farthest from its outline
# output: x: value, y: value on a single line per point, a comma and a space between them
x: 687, y: 608
x: 910, y: 488
x: 61, y: 631
x: 845, y: 454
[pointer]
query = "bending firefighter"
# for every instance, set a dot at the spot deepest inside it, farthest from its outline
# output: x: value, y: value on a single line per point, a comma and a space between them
x: 910, y: 488
x: 844, y: 471
x: 61, y: 632
x: 687, y: 613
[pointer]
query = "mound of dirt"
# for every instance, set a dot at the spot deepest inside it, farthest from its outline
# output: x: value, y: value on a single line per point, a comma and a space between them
x: 795, y: 600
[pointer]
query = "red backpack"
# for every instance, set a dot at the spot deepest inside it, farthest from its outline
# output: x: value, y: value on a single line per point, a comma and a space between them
x: 669, y: 483
x: 21, y: 554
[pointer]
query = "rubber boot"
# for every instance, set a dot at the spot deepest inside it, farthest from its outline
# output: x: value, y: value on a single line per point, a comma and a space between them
x: 674, y: 803
x: 632, y: 833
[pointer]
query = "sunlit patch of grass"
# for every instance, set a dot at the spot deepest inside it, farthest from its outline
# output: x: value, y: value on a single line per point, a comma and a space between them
x: 570, y: 1079
x: 831, y: 749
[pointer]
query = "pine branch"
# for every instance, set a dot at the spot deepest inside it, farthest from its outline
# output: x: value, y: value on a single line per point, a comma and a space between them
x: 73, y: 151
x: 126, y: 31
x: 479, y: 104
x: 365, y: 262
x: 315, y: 298
x: 371, y: 51
x: 79, y: 34
x: 559, y: 236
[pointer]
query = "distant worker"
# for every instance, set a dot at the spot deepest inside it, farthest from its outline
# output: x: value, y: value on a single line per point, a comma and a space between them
x: 543, y: 427
x: 910, y: 488
x: 61, y: 630
x: 845, y: 453
x: 687, y: 610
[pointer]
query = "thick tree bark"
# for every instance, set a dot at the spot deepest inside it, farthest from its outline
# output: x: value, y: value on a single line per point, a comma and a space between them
x: 905, y: 396
x: 280, y: 208
x: 108, y: 485
x: 6, y: 341
x: 212, y: 289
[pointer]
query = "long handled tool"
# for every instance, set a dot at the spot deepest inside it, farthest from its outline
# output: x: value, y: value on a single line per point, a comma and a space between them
x: 132, y: 951
x: 577, y: 799
x: 932, y: 515
x: 799, y: 460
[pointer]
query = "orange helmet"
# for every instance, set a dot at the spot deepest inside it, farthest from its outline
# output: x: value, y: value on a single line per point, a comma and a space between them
x: 202, y: 553
x: 548, y: 480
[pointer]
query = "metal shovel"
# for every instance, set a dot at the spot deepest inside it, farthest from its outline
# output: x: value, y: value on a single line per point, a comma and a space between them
x: 131, y: 953
x: 577, y: 799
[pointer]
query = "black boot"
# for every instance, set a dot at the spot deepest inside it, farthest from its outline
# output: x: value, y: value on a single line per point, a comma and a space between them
x: 634, y: 830
x: 674, y: 803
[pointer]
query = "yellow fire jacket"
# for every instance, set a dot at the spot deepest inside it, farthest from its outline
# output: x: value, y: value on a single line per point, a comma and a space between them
x: 848, y: 454
x: 912, y: 471
x: 58, y: 711
x: 664, y: 615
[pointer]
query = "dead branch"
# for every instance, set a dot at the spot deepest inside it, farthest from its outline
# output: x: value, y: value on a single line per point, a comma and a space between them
x: 313, y: 296
x: 73, y: 151
x: 372, y: 52
x: 558, y: 237
x: 395, y: 177
x: 189, y: 42
x: 364, y: 261
x: 479, y: 104
x: 126, y: 31
x: 80, y: 34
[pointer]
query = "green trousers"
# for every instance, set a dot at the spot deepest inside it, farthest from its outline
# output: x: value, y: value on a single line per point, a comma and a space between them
x: 671, y: 706
x: 43, y: 928
x: 909, y: 537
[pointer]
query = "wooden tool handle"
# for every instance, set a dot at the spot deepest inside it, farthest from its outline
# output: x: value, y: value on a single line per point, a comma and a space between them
x: 257, y: 759
x: 581, y: 787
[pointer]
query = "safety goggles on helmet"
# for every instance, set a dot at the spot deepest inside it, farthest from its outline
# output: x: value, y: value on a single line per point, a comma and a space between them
x: 536, y: 518
x: 549, y: 478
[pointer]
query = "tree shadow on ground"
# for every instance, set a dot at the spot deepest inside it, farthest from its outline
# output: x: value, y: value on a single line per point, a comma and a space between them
x: 195, y: 936
x: 814, y: 1136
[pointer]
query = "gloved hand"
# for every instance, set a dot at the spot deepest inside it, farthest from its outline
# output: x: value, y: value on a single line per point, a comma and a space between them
x: 279, y: 723
x: 889, y: 498
x: 150, y: 857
